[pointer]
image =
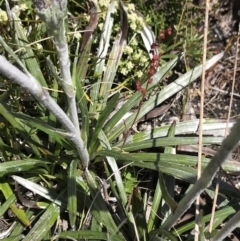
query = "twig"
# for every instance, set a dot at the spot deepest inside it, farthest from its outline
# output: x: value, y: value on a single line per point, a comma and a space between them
x: 201, y: 118
x: 233, y: 222
x: 224, y: 92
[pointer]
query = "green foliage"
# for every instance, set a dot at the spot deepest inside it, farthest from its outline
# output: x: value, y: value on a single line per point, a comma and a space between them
x: 64, y: 139
x: 130, y: 181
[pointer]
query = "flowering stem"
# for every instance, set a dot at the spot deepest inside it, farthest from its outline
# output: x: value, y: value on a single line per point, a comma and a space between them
x: 135, y: 118
x: 53, y: 13
x: 152, y: 70
x: 29, y: 83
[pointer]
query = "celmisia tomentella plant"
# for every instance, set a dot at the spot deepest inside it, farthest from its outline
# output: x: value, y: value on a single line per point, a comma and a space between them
x: 103, y: 144
x: 53, y: 13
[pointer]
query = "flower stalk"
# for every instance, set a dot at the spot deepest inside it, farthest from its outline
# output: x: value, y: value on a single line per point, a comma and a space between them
x: 29, y: 83
x: 154, y: 63
x: 53, y: 13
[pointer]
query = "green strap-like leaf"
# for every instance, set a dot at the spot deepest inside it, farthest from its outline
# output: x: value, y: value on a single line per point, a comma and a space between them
x: 100, y: 210
x: 21, y: 166
x: 114, y: 60
x: 21, y: 128
x: 7, y: 192
x: 102, y: 54
x: 113, y: 164
x: 168, y: 199
x: 42, y: 191
x: 186, y: 127
x: 219, y: 217
x: 72, y: 193
x: 102, y: 119
x: 168, y: 141
x: 138, y: 212
x: 86, y: 234
x: 4, y: 207
x: 155, y: 235
x: 28, y: 54
x: 44, y: 224
x: 167, y: 182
